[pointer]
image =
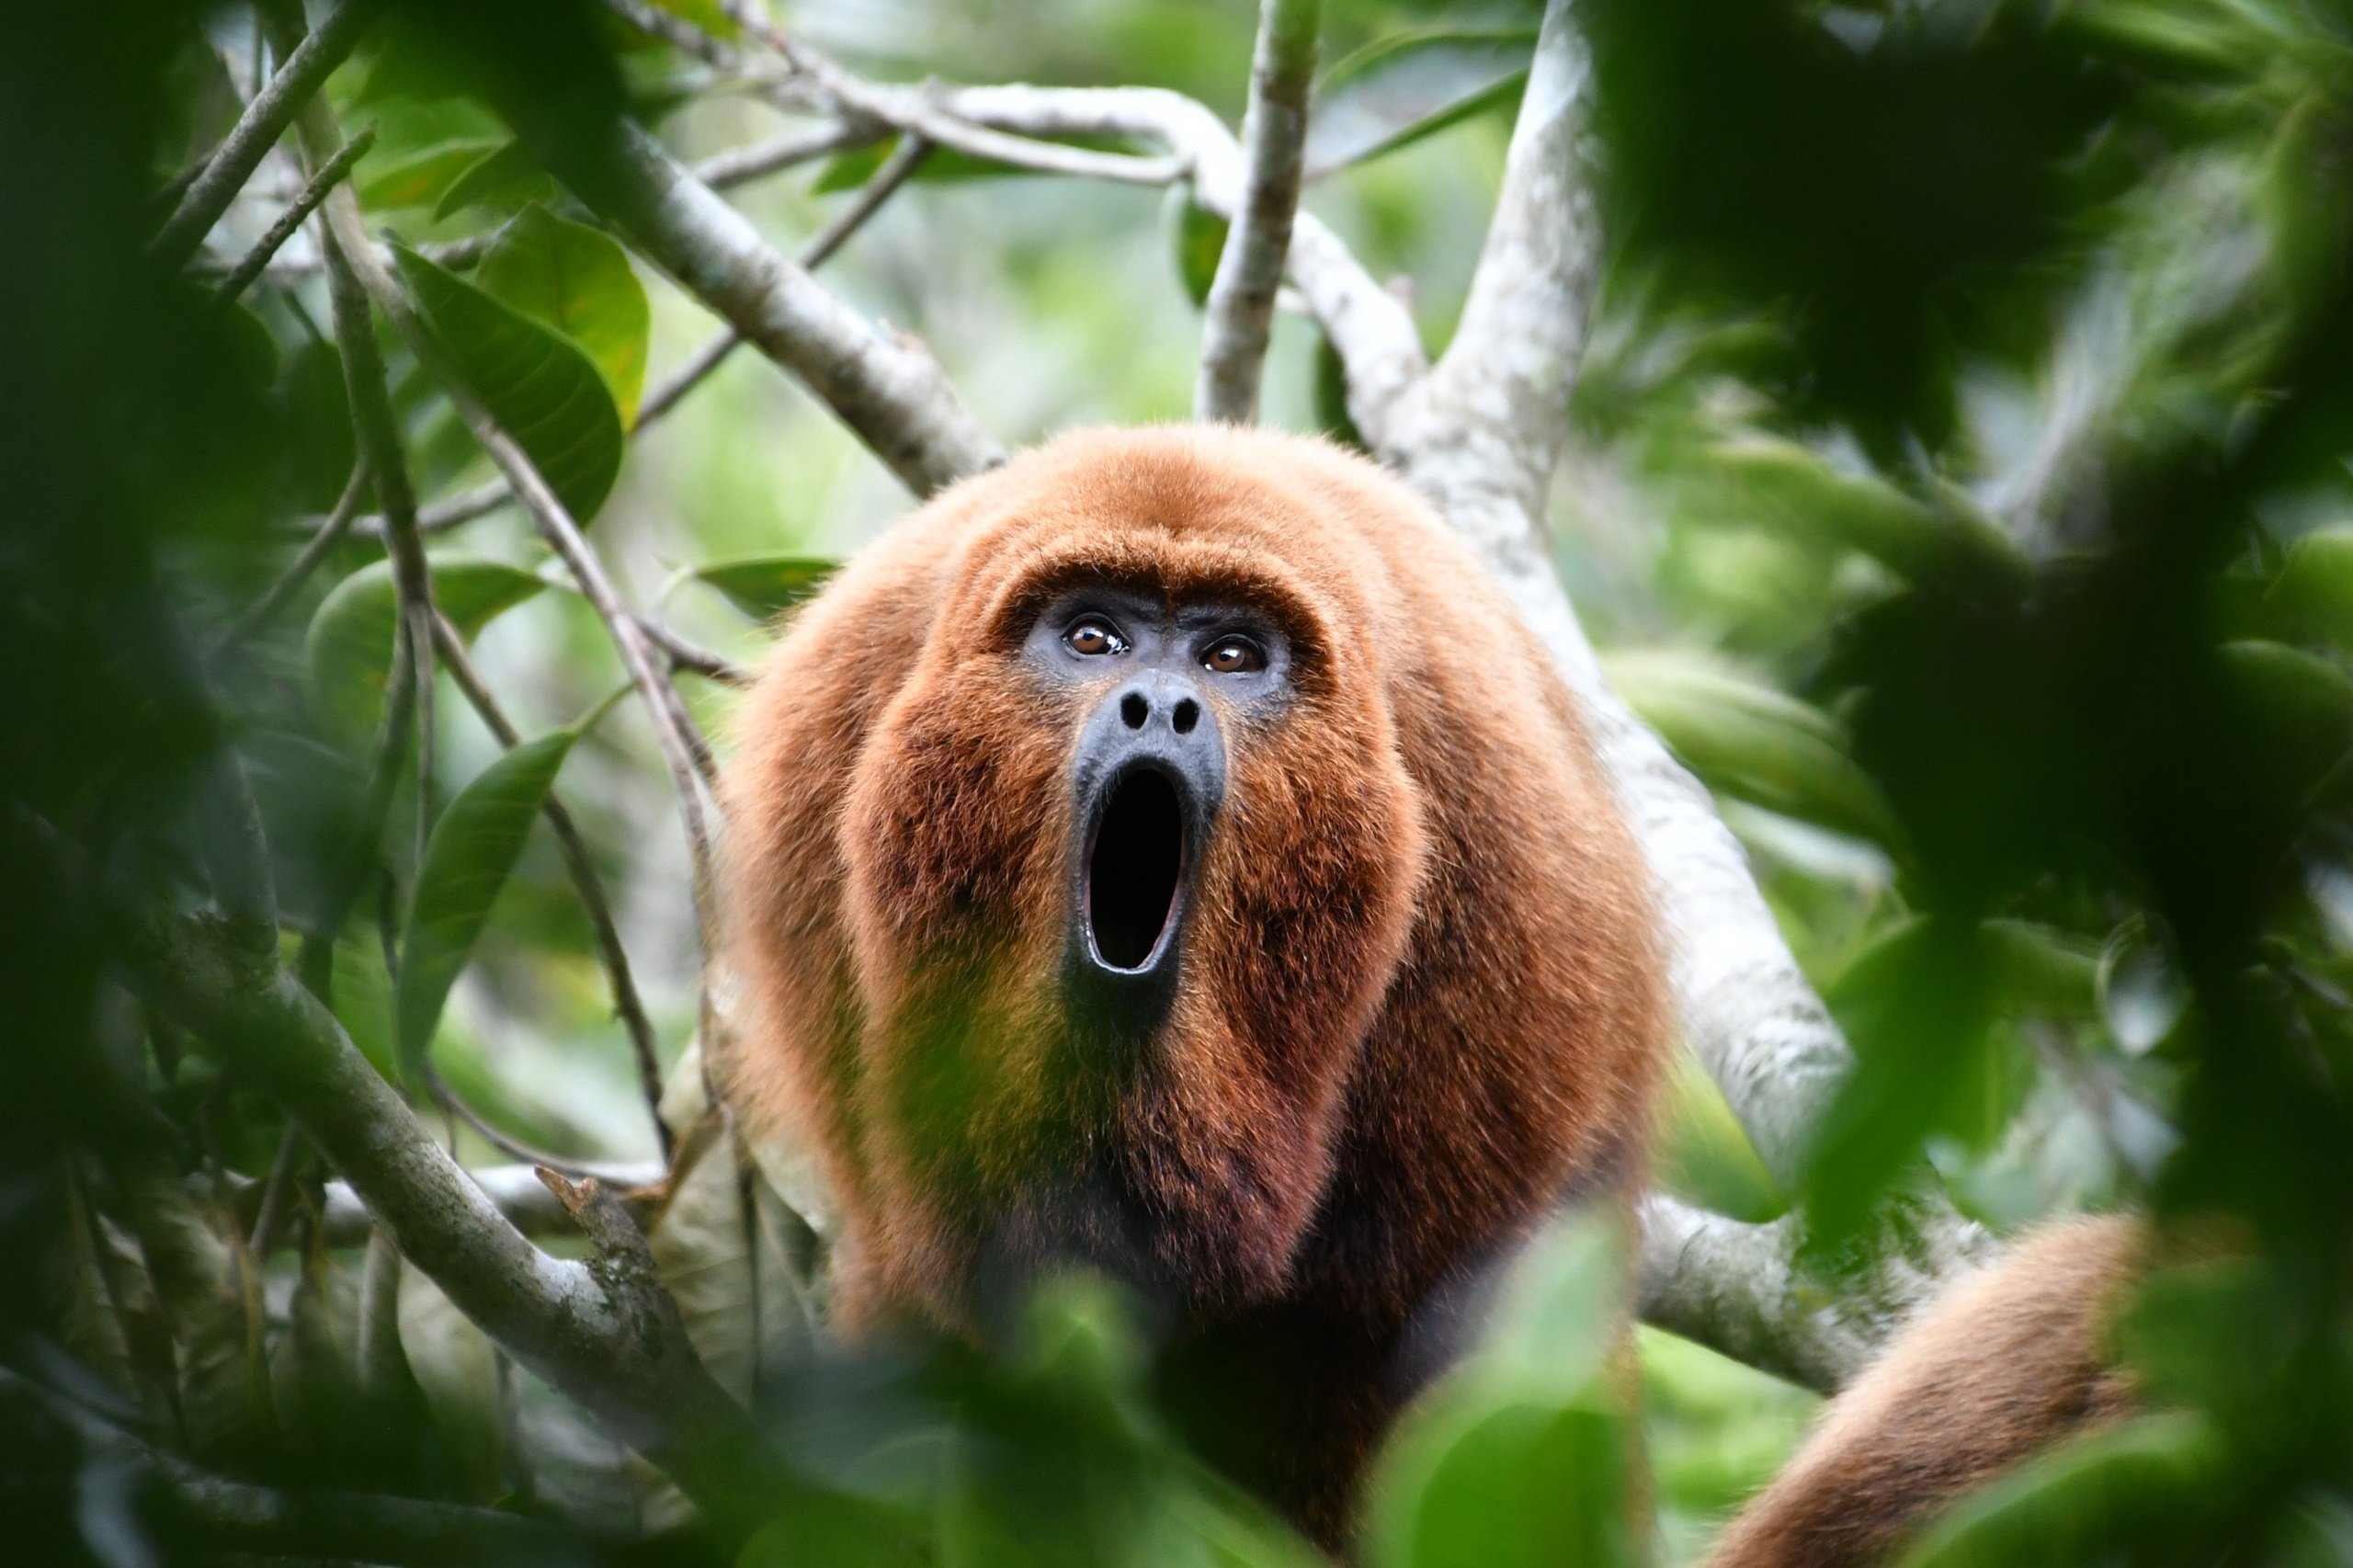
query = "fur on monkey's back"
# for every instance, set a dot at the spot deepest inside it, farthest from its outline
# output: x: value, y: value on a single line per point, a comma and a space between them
x: 1509, y: 1050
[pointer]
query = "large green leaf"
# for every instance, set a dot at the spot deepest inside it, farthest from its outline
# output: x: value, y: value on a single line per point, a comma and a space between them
x: 764, y: 587
x: 349, y: 647
x: 702, y: 1239
x: 467, y: 861
x: 577, y: 280
x: 1395, y: 91
x: 1792, y: 489
x: 1755, y: 742
x: 419, y: 179
x: 456, y: 1367
x: 543, y: 389
x: 498, y: 178
x: 1520, y: 1455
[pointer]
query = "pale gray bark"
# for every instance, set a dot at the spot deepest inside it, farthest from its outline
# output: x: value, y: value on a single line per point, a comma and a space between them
x: 1240, y: 310
x: 887, y: 389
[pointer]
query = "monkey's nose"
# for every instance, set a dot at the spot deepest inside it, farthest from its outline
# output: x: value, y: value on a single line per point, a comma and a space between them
x: 1160, y: 697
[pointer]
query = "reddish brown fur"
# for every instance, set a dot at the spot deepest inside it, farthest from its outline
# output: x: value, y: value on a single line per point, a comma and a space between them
x: 1421, y: 999
x: 2003, y: 1365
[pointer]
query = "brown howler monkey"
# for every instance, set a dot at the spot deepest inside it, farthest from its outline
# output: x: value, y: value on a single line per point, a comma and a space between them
x: 1169, y: 852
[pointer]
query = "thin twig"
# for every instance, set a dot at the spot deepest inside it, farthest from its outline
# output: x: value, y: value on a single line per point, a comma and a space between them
x: 377, y: 426
x: 273, y: 1192
x: 686, y: 377
x: 917, y: 111
x: 306, y: 561
x: 627, y: 1005
x: 258, y: 129
x: 686, y: 656
x: 741, y: 165
x: 499, y: 1138
x: 1274, y: 140
x: 673, y: 734
x: 242, y: 276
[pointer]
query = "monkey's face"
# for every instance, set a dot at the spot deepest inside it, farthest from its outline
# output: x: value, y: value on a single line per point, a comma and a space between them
x: 1132, y: 862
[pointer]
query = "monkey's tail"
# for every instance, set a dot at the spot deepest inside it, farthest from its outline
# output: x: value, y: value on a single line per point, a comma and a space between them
x: 2009, y: 1361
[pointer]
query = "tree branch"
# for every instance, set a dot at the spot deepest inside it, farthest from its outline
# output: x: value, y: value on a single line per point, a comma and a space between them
x: 554, y: 1315
x: 1480, y: 435
x: 1274, y: 137
x: 242, y: 276
x: 236, y: 1515
x: 681, y: 748
x: 258, y: 129
x: 741, y: 165
x: 1370, y: 328
x: 890, y: 391
x: 627, y: 1005
x: 377, y: 426
x: 306, y: 561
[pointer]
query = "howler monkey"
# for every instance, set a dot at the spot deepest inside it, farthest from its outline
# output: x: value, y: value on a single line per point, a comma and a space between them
x: 1169, y: 852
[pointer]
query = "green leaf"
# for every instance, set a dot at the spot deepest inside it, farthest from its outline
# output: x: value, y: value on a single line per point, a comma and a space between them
x: 702, y: 1243
x: 467, y: 861
x: 576, y: 280
x: 498, y: 177
x: 1753, y: 743
x: 1196, y: 238
x: 764, y: 587
x: 2315, y: 585
x: 349, y: 647
x: 1704, y: 1155
x: 456, y: 1367
x: 543, y: 389
x: 1395, y: 91
x: 1791, y: 488
x: 1520, y: 1456
x: 420, y: 178
x: 709, y: 15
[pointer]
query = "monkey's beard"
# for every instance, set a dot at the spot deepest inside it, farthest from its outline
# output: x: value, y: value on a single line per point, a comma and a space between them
x: 1029, y: 1143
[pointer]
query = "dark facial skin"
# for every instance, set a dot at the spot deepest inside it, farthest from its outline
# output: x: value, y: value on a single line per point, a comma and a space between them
x: 1148, y: 774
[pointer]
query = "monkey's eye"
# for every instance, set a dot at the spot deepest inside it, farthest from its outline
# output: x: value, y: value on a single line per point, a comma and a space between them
x: 1233, y: 655
x: 1091, y: 636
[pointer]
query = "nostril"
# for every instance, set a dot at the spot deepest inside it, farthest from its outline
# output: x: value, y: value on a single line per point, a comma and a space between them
x: 1187, y: 714
x: 1134, y: 709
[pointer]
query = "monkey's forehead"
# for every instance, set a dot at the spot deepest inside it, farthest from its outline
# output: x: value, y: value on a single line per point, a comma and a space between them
x: 1181, y: 510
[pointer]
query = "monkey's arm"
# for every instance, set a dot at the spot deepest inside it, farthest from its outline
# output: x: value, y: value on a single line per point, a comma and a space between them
x: 2009, y: 1362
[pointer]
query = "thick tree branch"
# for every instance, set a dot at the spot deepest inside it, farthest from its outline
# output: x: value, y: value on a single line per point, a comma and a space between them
x: 258, y: 129
x: 553, y: 1316
x: 889, y: 390
x: 1480, y: 435
x: 1274, y: 139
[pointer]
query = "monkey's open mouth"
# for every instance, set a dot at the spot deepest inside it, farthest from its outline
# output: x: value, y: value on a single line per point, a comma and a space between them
x: 1135, y: 870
